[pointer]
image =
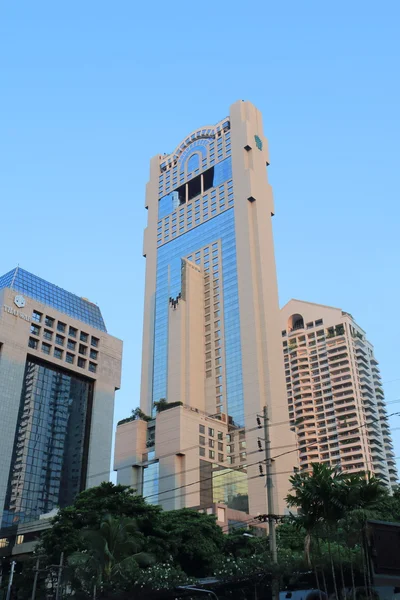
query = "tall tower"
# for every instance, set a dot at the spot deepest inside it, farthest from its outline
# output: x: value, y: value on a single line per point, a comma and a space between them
x: 211, y: 337
x: 334, y: 391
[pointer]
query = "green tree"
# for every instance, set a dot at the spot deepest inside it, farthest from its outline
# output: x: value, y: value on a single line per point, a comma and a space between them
x: 161, y: 405
x: 325, y: 498
x: 195, y: 540
x: 88, y: 511
x: 137, y: 413
x: 110, y: 557
x: 239, y: 545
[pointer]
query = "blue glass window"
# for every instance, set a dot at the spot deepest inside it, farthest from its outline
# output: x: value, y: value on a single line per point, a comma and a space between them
x: 193, y: 163
x: 51, y: 295
x: 168, y: 285
x: 167, y: 204
x: 150, y: 482
x: 222, y: 171
x: 47, y: 468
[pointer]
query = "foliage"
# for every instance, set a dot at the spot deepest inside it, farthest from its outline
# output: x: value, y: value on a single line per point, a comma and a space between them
x: 162, y: 576
x: 163, y: 404
x: 110, y: 537
x: 237, y: 545
x: 111, y: 556
x: 195, y: 540
x: 87, y: 512
x: 137, y: 414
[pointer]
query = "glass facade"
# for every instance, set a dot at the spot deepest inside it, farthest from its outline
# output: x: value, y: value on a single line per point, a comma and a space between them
x: 150, y: 482
x: 168, y: 285
x: 223, y: 485
x: 47, y: 293
x: 191, y: 225
x: 49, y: 462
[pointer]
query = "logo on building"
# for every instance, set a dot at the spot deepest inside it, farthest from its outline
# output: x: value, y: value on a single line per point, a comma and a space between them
x: 258, y: 142
x: 19, y: 301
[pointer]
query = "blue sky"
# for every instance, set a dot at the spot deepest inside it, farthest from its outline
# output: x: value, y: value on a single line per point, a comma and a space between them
x: 89, y: 91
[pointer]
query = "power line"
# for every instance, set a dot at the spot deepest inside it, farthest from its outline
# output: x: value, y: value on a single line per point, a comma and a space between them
x: 261, y: 461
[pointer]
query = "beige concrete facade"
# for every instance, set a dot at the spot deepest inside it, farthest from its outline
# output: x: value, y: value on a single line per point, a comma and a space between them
x: 39, y: 333
x: 211, y: 336
x: 334, y: 386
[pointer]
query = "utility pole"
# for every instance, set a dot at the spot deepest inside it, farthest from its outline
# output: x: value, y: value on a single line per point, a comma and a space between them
x: 270, y: 489
x: 35, y: 579
x: 60, y: 570
x: 10, y: 580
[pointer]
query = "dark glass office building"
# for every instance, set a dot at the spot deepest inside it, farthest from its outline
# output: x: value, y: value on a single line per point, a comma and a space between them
x: 59, y: 369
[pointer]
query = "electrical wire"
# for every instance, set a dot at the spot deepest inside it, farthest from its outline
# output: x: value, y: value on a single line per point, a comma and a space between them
x: 272, y: 458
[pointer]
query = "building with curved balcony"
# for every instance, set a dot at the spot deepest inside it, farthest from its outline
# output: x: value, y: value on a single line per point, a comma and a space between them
x: 334, y: 392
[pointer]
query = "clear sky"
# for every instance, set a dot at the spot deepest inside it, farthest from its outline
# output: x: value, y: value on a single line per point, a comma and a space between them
x: 91, y: 89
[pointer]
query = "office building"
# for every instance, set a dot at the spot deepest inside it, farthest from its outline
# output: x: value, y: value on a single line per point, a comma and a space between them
x: 211, y: 337
x: 59, y: 369
x: 334, y: 391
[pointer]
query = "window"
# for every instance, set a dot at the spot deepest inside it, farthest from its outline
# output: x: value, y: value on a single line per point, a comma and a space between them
x: 33, y: 343
x: 19, y: 539
x: 92, y: 367
x: 211, y: 432
x: 202, y: 440
x: 70, y: 358
x: 242, y: 445
x: 47, y: 334
x: 230, y: 460
x: 58, y: 353
x: 61, y: 327
x: 229, y: 437
x: 35, y: 330
x: 202, y: 429
x: 81, y: 362
x: 221, y: 457
x: 220, y: 446
x: 202, y: 451
x: 82, y: 349
x: 211, y: 454
x: 60, y: 340
x: 71, y: 345
x: 211, y: 443
x: 46, y: 348
x: 93, y: 354
x: 220, y: 435
x: 36, y: 316
x: 242, y: 456
x: 3, y: 542
x: 84, y: 337
x: 318, y: 322
x: 72, y: 332
x: 49, y: 321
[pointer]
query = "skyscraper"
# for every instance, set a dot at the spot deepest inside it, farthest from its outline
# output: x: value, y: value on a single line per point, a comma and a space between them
x: 334, y: 391
x: 59, y: 369
x: 211, y: 337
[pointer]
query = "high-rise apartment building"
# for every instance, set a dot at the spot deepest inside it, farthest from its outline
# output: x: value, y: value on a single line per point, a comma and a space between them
x: 211, y: 338
x: 334, y: 391
x: 59, y: 369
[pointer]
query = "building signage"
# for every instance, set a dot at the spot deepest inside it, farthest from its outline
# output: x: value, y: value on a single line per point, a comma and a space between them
x: 17, y: 313
x: 19, y: 301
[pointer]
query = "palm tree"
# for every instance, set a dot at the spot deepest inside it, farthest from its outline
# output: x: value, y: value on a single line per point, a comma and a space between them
x: 111, y: 555
x: 161, y: 405
x: 317, y: 496
x: 325, y: 497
